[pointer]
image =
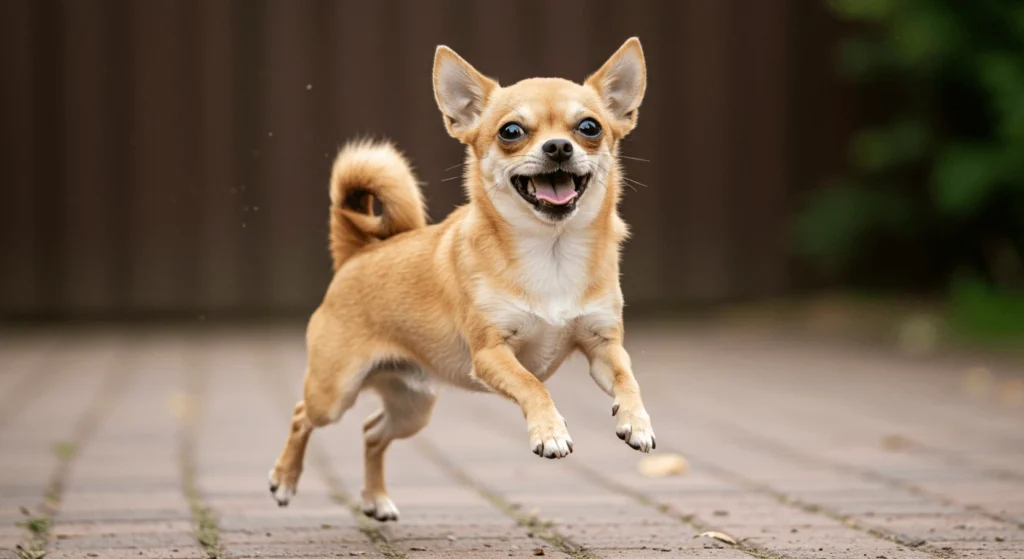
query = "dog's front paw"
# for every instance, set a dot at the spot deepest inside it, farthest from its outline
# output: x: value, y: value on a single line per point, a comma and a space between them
x: 634, y: 427
x: 379, y: 507
x: 282, y: 487
x: 550, y: 438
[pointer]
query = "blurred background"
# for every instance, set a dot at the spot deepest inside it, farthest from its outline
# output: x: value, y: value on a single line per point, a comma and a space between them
x: 827, y: 206
x: 169, y: 159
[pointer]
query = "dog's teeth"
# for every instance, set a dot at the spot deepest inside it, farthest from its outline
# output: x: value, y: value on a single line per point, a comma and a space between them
x: 530, y: 188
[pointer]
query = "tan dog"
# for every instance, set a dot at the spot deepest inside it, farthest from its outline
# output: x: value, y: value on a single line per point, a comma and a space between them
x: 498, y: 295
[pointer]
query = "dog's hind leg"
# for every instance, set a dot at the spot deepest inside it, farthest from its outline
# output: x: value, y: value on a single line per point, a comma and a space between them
x: 328, y: 394
x: 284, y: 477
x: 408, y: 401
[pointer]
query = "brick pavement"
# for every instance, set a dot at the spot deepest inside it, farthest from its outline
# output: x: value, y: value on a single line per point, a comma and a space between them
x: 156, y: 443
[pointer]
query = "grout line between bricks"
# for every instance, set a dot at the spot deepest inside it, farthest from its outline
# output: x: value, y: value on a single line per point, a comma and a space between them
x: 338, y: 494
x: 666, y: 509
x: 691, y: 520
x: 751, y: 485
x: 812, y: 508
x: 322, y: 463
x: 957, y: 459
x: 540, y: 528
x: 732, y: 477
x: 99, y: 406
x: 190, y: 411
x: 954, y: 459
x: 928, y: 451
x: 773, y: 446
x: 33, y: 382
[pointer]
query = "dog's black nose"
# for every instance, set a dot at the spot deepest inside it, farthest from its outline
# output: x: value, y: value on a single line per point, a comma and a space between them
x: 558, y: 150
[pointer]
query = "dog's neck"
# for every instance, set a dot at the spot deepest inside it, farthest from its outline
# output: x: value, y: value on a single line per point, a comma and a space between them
x: 552, y: 262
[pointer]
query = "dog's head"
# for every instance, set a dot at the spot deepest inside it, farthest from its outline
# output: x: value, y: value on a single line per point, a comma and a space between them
x: 543, y: 147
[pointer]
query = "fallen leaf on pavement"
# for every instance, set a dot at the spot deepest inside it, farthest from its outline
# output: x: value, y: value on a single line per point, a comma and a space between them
x: 720, y: 536
x: 896, y: 443
x: 661, y: 465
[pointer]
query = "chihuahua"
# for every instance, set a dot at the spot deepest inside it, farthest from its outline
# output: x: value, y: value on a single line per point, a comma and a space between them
x: 496, y: 296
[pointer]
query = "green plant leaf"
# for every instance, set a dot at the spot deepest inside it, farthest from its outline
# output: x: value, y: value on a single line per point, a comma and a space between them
x: 947, y: 81
x: 1002, y: 75
x: 37, y: 525
x: 860, y: 58
x: 838, y: 218
x: 65, y: 451
x: 924, y: 36
x: 868, y: 10
x: 880, y: 148
x: 964, y: 176
x: 982, y: 312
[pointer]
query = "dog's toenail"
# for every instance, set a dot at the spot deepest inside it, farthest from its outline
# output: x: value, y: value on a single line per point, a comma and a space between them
x: 615, y: 410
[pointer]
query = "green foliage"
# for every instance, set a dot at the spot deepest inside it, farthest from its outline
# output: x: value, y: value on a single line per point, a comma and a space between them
x: 965, y: 177
x: 65, y: 451
x: 871, y: 10
x: 842, y: 215
x: 37, y: 525
x: 885, y: 147
x: 979, y: 312
x: 941, y: 171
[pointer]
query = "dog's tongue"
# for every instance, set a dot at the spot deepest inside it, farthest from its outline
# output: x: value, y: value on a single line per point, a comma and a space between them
x: 556, y: 189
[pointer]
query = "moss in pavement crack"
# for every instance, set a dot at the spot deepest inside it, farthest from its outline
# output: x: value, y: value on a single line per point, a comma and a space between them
x: 366, y: 525
x: 205, y: 523
x: 65, y: 452
x: 336, y: 490
x: 540, y: 528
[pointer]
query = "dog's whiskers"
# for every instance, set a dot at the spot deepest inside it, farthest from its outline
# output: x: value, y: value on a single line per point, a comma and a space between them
x: 494, y: 187
x: 634, y: 181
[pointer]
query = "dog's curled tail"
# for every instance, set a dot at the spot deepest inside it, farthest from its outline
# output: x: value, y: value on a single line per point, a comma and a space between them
x: 364, y: 171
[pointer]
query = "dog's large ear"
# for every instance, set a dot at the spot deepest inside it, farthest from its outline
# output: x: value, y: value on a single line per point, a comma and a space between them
x: 621, y: 83
x: 461, y: 92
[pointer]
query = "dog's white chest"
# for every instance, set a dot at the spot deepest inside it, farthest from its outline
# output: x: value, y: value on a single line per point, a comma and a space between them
x: 542, y: 344
x: 539, y: 344
x: 553, y: 272
x: 541, y: 324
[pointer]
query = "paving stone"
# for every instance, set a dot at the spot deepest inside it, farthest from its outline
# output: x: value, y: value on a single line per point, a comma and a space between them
x: 790, y: 449
x: 127, y: 553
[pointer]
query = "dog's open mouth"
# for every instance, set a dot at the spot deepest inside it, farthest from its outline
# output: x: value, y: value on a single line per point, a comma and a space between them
x: 554, y: 193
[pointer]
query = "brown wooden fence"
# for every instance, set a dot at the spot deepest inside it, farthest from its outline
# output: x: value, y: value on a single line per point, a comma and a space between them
x: 171, y: 156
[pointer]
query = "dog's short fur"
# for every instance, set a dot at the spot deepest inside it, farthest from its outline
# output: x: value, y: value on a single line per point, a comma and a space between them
x: 501, y: 292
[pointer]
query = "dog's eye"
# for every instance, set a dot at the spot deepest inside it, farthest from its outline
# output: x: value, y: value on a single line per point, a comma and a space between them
x: 511, y: 132
x: 589, y: 128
